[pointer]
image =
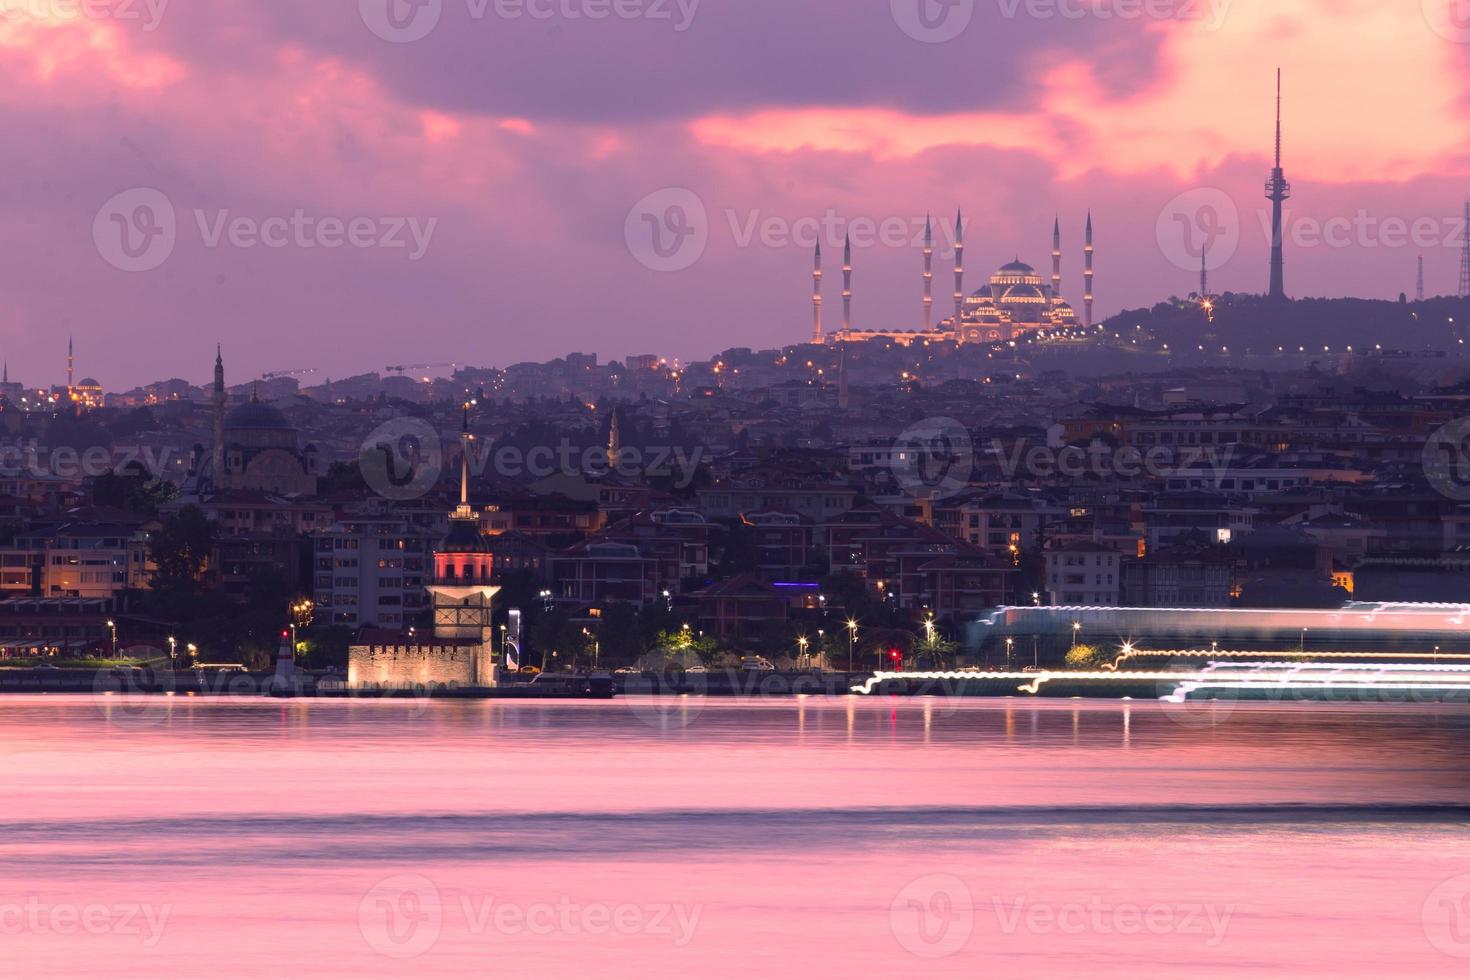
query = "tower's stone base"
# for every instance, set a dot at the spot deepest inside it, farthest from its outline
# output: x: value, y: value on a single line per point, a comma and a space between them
x: 418, y: 667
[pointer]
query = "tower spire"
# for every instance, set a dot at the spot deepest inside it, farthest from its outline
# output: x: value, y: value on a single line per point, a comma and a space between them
x: 959, y: 270
x: 1278, y: 191
x: 847, y: 284
x: 928, y: 273
x: 464, y: 462
x: 1056, y: 259
x: 70, y: 366
x: 817, y: 296
x: 1087, y: 274
x: 218, y: 458
x: 1204, y: 273
x: 1465, y: 255
x: 1419, y: 283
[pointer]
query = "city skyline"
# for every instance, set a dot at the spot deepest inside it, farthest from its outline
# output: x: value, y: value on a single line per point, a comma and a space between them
x: 498, y: 182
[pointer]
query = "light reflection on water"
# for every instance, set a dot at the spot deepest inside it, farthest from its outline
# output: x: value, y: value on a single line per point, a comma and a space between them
x: 805, y: 836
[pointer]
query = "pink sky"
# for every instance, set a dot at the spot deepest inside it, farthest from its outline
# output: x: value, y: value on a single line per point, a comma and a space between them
x: 500, y: 155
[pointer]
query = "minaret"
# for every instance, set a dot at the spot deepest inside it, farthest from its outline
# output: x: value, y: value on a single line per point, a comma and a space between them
x: 1056, y: 260
x: 847, y: 285
x: 219, y: 417
x: 1277, y: 192
x: 70, y: 366
x: 1419, y: 284
x: 1204, y: 273
x: 614, y: 440
x: 959, y: 271
x: 928, y: 273
x: 1087, y: 274
x: 817, y: 296
x: 842, y: 398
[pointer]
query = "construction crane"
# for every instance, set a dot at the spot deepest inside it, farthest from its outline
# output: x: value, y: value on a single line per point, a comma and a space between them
x: 295, y: 372
x: 405, y: 368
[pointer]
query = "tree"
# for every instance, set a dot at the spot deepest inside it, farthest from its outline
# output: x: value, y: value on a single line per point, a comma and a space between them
x: 181, y: 548
x: 1085, y: 656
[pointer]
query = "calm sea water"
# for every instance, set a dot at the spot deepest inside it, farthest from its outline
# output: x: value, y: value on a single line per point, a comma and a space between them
x: 706, y: 838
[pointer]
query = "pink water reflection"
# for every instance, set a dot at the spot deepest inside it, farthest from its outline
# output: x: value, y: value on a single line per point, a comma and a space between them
x: 708, y: 838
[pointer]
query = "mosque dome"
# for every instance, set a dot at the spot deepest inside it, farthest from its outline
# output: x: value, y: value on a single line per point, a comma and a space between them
x: 256, y: 415
x: 1017, y: 268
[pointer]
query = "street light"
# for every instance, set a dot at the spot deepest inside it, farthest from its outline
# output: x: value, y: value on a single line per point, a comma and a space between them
x: 112, y: 627
x: 852, y: 628
x: 801, y: 643
x: 1036, y: 598
x: 173, y: 651
x: 1010, y: 650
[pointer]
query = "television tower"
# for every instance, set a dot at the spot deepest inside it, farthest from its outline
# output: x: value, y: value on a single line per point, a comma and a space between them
x: 1087, y: 273
x: 847, y: 284
x: 928, y: 273
x: 817, y: 296
x: 1419, y: 284
x: 1277, y: 192
x: 1465, y: 256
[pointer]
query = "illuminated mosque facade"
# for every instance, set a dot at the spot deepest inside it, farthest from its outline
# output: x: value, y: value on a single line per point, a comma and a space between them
x: 1016, y: 302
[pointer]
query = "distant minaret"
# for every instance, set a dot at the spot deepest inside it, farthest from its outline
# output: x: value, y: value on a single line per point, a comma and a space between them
x: 464, y: 459
x: 817, y: 296
x: 219, y: 417
x: 1277, y: 192
x: 1056, y: 259
x: 1419, y: 284
x: 928, y: 273
x: 1087, y: 274
x: 1204, y: 273
x: 959, y: 270
x: 1465, y: 256
x: 614, y: 439
x: 70, y: 367
x: 842, y: 399
x: 847, y: 285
